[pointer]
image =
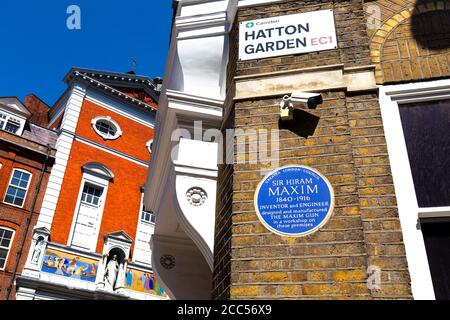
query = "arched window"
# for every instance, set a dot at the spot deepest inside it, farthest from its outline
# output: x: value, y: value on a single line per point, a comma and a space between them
x: 6, y: 239
x: 107, y: 128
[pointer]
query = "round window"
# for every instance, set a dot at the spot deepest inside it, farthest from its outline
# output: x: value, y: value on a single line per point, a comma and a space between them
x: 107, y: 128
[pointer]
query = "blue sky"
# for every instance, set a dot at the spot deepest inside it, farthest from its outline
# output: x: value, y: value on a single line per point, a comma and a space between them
x: 38, y: 49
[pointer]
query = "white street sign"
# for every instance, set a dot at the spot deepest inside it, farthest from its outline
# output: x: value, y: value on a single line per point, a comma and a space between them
x: 287, y: 35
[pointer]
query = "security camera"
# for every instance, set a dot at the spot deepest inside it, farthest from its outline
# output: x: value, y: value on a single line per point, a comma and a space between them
x: 298, y: 100
x: 311, y: 100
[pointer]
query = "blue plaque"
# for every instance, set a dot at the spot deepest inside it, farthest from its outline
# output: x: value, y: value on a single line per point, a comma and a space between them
x: 294, y: 201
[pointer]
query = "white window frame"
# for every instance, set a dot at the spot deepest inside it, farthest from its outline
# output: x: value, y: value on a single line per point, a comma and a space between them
x: 10, y: 246
x: 148, y: 222
x: 142, y: 224
x: 89, y: 185
x: 112, y: 122
x: 409, y: 211
x: 26, y: 190
x: 21, y: 121
x: 98, y: 182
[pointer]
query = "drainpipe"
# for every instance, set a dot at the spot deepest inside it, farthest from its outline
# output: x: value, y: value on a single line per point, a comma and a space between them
x: 27, y: 228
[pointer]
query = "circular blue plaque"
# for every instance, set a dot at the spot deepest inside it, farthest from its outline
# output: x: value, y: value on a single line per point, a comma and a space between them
x: 294, y: 201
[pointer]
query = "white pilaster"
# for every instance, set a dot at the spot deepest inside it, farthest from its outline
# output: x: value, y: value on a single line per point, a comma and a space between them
x: 63, y: 148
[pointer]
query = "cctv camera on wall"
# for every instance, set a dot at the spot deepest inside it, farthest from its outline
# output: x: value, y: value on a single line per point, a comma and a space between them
x: 298, y: 100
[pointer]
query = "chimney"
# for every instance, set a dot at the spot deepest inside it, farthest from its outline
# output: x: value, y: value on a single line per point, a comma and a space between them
x: 158, y: 82
x: 39, y: 110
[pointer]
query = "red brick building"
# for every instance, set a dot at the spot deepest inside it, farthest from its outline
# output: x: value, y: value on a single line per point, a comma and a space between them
x: 92, y: 236
x: 27, y: 153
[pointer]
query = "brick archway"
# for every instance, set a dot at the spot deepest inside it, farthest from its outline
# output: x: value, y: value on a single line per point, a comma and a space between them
x: 397, y: 55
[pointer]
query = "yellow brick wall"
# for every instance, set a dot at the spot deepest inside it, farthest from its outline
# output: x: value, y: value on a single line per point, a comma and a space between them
x: 348, y: 146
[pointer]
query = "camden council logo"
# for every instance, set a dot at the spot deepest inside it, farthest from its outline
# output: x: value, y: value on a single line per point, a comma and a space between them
x: 250, y: 25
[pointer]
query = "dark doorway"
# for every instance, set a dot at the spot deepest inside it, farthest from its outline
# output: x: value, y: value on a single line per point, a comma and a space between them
x: 437, y: 243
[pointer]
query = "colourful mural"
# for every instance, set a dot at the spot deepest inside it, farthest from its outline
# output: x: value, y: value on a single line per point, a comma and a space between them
x: 145, y: 282
x: 71, y: 266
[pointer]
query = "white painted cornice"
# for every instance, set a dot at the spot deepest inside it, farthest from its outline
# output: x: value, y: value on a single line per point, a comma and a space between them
x: 195, y: 171
x: 111, y: 91
x: 201, y: 21
x: 179, y: 95
x: 189, y: 107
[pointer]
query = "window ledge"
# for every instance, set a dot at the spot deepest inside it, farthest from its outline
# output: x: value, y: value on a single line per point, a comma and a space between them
x: 13, y: 205
x: 435, y: 212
